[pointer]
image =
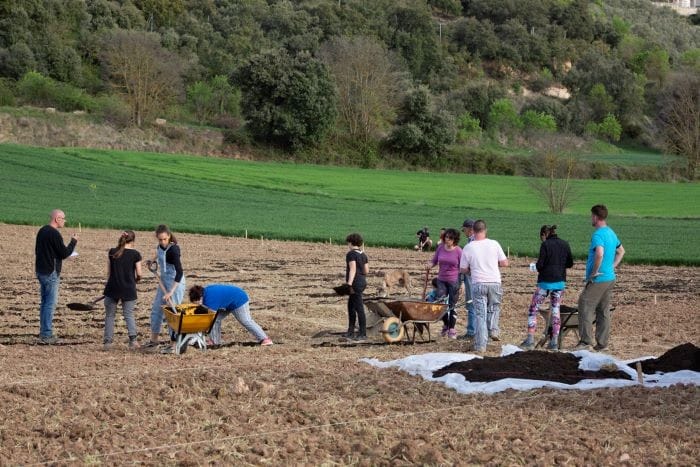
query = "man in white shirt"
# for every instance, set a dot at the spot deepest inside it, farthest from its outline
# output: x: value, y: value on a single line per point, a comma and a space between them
x: 481, y: 258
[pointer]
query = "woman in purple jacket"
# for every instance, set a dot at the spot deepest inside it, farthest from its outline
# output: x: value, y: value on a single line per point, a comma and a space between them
x: 447, y: 256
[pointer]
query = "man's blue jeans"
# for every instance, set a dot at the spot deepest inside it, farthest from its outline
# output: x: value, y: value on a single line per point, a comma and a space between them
x: 49, y: 297
x: 469, y: 305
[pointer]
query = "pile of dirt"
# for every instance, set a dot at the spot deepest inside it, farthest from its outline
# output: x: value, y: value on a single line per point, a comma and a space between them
x: 682, y: 357
x: 546, y: 366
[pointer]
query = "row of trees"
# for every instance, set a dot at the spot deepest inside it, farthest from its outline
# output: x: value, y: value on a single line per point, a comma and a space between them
x: 389, y: 75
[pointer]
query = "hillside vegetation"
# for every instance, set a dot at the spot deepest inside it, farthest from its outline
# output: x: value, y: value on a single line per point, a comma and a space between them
x: 473, y: 86
x: 656, y: 221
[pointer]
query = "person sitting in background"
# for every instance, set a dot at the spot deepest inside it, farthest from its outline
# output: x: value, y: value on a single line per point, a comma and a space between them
x: 424, y: 240
x: 227, y: 299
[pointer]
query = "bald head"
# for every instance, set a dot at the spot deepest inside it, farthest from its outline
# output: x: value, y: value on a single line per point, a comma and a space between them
x: 58, y: 218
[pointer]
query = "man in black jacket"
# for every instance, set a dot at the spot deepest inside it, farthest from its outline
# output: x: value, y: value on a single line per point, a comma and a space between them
x: 50, y: 253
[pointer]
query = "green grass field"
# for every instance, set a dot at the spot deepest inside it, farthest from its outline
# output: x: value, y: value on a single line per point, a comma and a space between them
x: 657, y: 222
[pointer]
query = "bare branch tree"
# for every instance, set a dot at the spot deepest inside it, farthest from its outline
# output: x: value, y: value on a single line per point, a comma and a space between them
x: 367, y: 81
x: 555, y: 187
x: 148, y: 75
x: 679, y: 116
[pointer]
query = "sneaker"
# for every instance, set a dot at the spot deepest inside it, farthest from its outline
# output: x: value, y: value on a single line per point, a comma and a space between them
x: 444, y: 331
x: 553, y: 346
x: 133, y: 345
x: 600, y: 348
x: 582, y: 346
x: 150, y: 347
x: 168, y: 349
x: 107, y: 346
x: 50, y: 340
x: 452, y: 334
x: 466, y: 337
x: 477, y: 350
x: 266, y: 341
x: 528, y: 343
x: 358, y: 338
x: 495, y: 337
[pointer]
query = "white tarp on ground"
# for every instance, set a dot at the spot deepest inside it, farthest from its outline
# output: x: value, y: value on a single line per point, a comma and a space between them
x: 424, y: 365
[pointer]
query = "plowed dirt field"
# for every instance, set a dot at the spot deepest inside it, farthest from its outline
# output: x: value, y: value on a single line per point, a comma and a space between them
x: 309, y: 400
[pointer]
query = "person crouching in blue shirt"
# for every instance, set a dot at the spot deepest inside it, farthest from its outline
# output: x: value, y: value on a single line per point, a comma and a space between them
x: 228, y: 299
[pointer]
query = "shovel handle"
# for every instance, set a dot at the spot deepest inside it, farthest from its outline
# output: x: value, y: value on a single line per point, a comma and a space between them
x: 425, y: 285
x: 153, y: 267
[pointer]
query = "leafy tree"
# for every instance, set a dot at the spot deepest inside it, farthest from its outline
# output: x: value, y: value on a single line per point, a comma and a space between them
x: 450, y: 7
x: 160, y: 12
x: 421, y: 127
x: 367, y: 81
x: 18, y: 60
x: 609, y: 129
x: 623, y: 86
x: 138, y: 67
x: 600, y: 102
x: 538, y: 121
x: 414, y: 34
x: 200, y: 97
x: 503, y: 118
x: 287, y: 100
x: 468, y: 127
x: 679, y: 117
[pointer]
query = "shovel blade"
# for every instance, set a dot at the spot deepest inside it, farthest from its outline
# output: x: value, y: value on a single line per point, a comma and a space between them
x: 80, y: 306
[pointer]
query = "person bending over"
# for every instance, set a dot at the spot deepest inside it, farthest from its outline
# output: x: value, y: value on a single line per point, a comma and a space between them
x: 228, y: 299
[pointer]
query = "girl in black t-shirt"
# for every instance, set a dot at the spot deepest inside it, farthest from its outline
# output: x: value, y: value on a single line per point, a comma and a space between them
x: 124, y: 273
x: 356, y: 270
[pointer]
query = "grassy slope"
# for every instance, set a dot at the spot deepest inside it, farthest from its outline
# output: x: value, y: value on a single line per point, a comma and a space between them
x: 140, y: 190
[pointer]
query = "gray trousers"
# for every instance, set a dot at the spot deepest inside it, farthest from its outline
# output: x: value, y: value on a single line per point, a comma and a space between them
x: 111, y: 311
x: 242, y: 314
x: 594, y: 302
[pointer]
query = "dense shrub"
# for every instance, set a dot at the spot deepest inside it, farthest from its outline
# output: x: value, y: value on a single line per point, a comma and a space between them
x: 287, y: 100
x: 7, y: 97
x: 538, y: 121
x: 42, y: 91
x: 421, y: 128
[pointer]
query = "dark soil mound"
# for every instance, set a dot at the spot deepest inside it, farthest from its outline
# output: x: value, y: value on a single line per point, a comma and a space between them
x: 539, y: 365
x: 682, y: 357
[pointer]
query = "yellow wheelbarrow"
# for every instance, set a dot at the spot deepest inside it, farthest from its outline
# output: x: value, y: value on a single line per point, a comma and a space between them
x: 191, y: 324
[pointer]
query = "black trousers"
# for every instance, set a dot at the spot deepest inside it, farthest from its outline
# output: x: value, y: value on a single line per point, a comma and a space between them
x: 356, y: 311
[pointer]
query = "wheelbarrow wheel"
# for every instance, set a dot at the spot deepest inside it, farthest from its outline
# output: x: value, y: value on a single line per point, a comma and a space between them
x: 392, y: 330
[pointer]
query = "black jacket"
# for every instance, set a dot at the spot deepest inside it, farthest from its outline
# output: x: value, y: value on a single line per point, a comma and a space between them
x: 555, y: 257
x: 50, y: 250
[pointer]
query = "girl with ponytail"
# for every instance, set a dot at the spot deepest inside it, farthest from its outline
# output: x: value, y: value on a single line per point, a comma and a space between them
x: 124, y: 271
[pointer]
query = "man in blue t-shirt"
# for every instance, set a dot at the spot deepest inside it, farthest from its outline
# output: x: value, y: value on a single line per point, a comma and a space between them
x: 604, y: 254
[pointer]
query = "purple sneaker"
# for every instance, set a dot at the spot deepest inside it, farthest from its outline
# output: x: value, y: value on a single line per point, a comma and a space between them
x: 444, y: 331
x: 452, y: 334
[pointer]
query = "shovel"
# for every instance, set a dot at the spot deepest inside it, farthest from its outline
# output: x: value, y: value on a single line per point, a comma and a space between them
x: 153, y: 267
x: 75, y: 306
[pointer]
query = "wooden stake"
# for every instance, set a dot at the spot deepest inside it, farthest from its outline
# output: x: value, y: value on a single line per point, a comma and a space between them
x: 508, y: 255
x: 246, y: 233
x: 640, y: 375
x: 654, y: 299
x: 81, y: 231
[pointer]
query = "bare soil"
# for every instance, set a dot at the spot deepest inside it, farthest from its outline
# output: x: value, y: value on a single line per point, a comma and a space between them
x: 537, y: 365
x: 308, y: 400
